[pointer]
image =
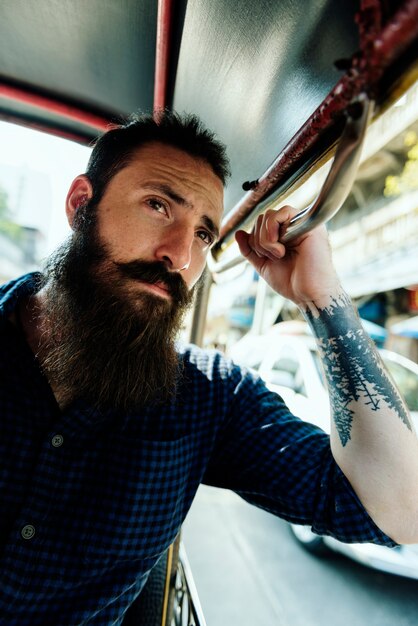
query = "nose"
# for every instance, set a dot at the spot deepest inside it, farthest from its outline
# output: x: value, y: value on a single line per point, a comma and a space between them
x: 176, y: 249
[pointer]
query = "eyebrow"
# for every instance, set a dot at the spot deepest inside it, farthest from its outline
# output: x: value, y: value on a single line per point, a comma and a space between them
x: 168, y: 191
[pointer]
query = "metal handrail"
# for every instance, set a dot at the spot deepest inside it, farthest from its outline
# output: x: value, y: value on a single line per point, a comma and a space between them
x: 336, y: 186
x: 341, y: 176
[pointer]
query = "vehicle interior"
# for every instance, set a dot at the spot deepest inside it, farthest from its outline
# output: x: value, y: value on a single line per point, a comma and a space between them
x: 289, y: 87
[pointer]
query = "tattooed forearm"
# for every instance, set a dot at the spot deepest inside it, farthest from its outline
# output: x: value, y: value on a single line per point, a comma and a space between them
x: 352, y: 367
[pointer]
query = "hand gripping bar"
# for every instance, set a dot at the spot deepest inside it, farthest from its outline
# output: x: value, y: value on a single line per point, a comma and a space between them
x: 337, y: 184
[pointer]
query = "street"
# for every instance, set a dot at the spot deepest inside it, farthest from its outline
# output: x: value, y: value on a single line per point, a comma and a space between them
x: 249, y: 571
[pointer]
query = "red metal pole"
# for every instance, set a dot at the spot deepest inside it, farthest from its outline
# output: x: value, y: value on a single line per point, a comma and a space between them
x: 382, y: 51
x: 65, y: 111
x: 162, y: 53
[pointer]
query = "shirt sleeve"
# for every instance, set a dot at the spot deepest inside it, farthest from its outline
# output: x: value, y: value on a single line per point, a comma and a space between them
x: 284, y: 465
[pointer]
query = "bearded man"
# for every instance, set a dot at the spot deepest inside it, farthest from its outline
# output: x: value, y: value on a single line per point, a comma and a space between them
x: 108, y: 426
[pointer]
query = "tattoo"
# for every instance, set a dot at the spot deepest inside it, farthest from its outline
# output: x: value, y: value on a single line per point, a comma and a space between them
x: 352, y: 367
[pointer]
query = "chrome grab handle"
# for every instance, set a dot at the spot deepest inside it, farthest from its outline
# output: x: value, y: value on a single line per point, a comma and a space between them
x: 336, y: 187
x: 341, y: 176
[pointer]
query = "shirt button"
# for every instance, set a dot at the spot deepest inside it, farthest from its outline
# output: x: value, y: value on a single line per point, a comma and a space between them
x: 28, y: 531
x: 57, y: 441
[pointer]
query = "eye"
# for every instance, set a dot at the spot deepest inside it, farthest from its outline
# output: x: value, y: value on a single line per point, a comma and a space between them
x: 206, y: 237
x: 158, y: 205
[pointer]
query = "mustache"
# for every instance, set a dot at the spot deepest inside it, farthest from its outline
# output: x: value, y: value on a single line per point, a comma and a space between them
x: 155, y: 272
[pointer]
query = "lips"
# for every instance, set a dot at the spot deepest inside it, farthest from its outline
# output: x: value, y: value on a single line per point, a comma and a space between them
x: 161, y: 285
x: 155, y: 276
x: 158, y: 287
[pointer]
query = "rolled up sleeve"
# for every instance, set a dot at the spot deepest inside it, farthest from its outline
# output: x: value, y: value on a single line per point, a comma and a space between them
x: 284, y: 465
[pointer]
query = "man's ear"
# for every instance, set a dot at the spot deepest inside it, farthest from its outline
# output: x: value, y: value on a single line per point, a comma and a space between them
x: 78, y: 195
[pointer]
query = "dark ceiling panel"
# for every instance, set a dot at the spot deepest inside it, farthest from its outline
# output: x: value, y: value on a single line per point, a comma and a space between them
x: 100, y: 52
x: 255, y: 71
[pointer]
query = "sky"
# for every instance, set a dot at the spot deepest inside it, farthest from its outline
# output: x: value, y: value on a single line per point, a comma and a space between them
x: 51, y: 164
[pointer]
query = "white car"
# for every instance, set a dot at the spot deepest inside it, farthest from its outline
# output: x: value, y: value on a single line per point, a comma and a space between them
x: 291, y: 367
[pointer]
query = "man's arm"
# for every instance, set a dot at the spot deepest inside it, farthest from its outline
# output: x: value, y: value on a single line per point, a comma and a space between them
x: 372, y: 437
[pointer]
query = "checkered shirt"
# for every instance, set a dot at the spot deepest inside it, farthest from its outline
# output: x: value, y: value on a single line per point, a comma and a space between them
x: 90, y: 500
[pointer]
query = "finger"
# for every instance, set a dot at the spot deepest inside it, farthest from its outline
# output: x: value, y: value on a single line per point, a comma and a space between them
x: 284, y: 214
x: 263, y: 240
x: 251, y: 243
x: 266, y: 237
x: 283, y: 217
x: 254, y: 236
x: 271, y: 236
x: 255, y: 243
x: 243, y: 241
x: 255, y: 240
x: 258, y: 250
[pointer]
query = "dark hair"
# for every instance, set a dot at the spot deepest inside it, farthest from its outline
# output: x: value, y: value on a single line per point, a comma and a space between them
x: 113, y: 150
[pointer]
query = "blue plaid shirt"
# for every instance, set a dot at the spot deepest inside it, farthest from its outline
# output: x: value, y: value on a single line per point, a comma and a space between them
x: 90, y: 500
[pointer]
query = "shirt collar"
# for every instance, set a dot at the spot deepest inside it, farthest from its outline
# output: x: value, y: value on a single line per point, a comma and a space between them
x: 15, y: 290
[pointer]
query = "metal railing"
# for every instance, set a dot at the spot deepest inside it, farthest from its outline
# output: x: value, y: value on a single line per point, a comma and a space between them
x: 187, y: 610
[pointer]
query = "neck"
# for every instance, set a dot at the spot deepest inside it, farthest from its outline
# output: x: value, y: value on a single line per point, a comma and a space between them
x: 28, y: 316
x: 30, y: 319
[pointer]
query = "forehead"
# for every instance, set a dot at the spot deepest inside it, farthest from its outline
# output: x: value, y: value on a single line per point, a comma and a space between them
x: 190, y: 175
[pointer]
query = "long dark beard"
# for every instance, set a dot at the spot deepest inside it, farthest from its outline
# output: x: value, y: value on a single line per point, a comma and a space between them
x: 105, y: 340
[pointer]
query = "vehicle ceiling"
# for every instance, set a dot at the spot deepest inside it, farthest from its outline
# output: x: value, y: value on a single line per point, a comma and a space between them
x: 253, y: 70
